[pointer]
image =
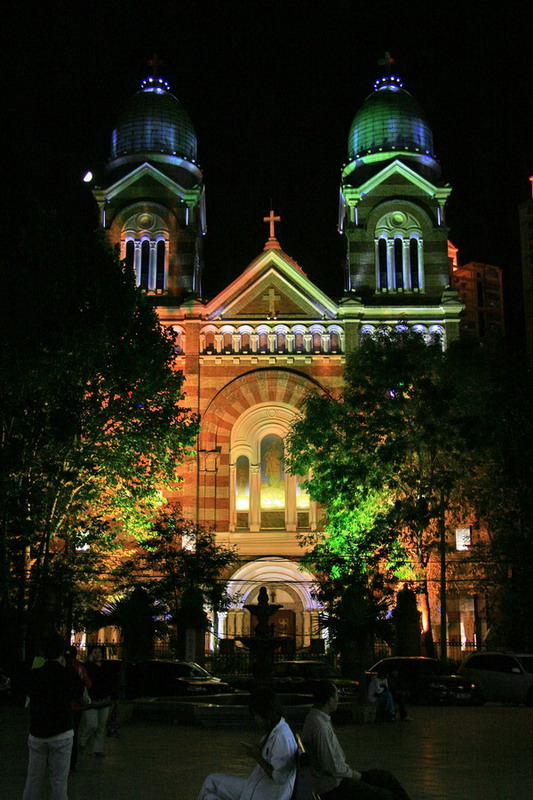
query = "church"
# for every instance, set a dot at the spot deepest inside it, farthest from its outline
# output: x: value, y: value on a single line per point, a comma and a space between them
x: 252, y: 353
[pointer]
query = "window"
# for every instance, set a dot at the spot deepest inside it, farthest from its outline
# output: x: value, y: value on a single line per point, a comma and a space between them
x: 264, y: 496
x: 399, y: 252
x: 145, y: 250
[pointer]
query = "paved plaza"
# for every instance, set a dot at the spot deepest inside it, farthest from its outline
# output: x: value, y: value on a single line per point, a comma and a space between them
x: 441, y: 754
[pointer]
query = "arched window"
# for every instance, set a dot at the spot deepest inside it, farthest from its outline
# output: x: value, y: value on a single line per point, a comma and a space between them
x: 144, y: 239
x: 299, y: 343
x: 227, y: 341
x: 316, y: 342
x: 382, y: 257
x: 210, y: 342
x: 245, y: 343
x: 160, y: 265
x: 262, y: 342
x: 413, y: 263
x: 272, y: 497
x: 145, y: 264
x: 398, y: 262
x: 399, y: 252
x: 242, y: 485
x: 280, y: 342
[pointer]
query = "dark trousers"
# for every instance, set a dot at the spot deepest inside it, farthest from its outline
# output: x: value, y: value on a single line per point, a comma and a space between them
x: 375, y: 784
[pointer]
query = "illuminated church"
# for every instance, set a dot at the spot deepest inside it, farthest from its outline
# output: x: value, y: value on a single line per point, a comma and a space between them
x: 250, y: 354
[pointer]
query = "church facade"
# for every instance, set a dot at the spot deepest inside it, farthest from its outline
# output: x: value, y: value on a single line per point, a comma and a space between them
x: 252, y: 353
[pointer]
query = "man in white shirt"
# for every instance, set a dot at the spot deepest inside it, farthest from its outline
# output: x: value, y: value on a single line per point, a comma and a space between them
x: 333, y: 778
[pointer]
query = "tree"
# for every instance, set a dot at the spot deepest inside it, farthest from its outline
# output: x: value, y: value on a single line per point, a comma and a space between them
x: 180, y: 564
x: 500, y: 490
x: 91, y: 423
x: 387, y: 456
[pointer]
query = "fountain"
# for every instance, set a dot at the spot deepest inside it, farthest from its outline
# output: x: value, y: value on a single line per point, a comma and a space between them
x: 263, y: 643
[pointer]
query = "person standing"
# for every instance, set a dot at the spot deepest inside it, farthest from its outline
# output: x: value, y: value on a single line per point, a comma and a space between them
x: 50, y: 689
x: 95, y: 716
x: 333, y: 778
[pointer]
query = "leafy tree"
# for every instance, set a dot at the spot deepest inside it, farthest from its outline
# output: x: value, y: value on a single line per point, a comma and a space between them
x: 387, y: 456
x: 91, y: 422
x: 181, y: 564
x: 500, y: 490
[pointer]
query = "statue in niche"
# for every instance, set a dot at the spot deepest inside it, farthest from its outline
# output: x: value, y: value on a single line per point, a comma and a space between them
x: 273, y: 458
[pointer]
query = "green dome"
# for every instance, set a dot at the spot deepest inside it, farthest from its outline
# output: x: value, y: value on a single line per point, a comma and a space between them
x: 389, y: 123
x: 154, y: 121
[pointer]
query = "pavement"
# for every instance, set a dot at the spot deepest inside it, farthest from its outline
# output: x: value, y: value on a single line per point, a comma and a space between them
x: 480, y: 753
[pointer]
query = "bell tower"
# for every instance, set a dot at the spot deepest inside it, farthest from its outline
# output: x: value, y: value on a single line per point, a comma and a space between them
x: 152, y: 203
x: 392, y: 214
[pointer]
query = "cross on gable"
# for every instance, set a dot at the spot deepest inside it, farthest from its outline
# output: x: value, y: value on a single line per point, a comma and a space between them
x: 271, y: 299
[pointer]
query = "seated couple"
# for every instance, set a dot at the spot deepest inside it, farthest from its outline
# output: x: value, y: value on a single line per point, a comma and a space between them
x: 273, y: 777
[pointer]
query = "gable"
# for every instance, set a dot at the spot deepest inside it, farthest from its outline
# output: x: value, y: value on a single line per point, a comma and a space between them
x: 272, y: 287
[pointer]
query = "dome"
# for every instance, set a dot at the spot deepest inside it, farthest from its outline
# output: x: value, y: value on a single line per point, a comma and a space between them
x: 154, y: 121
x: 389, y: 124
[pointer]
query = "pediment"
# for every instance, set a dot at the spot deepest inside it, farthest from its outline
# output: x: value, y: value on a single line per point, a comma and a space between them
x: 397, y: 173
x: 145, y: 175
x: 273, y: 286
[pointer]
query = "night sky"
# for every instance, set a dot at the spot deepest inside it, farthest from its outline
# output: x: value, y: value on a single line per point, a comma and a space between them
x: 272, y: 89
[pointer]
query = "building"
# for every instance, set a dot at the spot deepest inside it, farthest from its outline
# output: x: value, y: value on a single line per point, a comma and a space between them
x: 480, y: 288
x: 251, y: 353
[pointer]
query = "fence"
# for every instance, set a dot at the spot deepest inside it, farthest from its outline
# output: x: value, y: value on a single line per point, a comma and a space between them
x: 236, y: 661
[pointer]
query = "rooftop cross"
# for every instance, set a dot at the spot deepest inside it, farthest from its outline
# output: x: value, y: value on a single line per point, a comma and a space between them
x: 387, y: 62
x: 154, y: 63
x: 272, y: 241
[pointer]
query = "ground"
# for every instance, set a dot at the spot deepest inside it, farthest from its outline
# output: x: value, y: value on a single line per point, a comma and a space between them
x: 441, y: 754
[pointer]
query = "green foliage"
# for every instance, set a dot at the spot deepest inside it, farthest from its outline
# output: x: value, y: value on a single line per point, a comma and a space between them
x: 182, y: 565
x: 387, y: 455
x: 90, y: 415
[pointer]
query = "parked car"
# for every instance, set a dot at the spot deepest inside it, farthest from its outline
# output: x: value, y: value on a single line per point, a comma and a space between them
x: 299, y: 677
x: 426, y: 681
x: 168, y: 678
x: 507, y: 677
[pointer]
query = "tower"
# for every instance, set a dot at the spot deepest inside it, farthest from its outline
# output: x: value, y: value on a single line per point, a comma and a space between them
x: 392, y: 214
x: 152, y: 203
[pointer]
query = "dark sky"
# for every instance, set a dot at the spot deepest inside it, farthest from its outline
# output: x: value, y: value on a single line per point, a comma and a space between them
x: 272, y: 89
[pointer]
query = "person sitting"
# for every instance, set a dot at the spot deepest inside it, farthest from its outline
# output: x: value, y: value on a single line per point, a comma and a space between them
x: 333, y: 778
x: 274, y: 774
x: 380, y: 694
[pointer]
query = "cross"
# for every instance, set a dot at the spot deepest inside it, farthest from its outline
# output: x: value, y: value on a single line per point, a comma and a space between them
x: 387, y: 61
x: 154, y: 63
x: 271, y: 298
x: 272, y: 219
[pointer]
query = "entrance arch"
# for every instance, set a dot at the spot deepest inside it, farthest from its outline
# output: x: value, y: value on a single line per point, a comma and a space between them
x: 286, y: 584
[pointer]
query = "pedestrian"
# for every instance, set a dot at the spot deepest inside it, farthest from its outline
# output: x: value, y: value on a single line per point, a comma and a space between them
x: 380, y: 694
x: 333, y: 778
x: 274, y: 774
x: 94, y: 720
x: 50, y: 689
x: 78, y: 705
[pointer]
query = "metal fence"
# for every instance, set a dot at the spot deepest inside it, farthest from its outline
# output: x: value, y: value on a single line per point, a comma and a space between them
x: 236, y: 661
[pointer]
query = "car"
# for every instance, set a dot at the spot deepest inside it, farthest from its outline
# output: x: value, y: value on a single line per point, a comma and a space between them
x: 168, y: 678
x: 300, y: 677
x: 504, y: 677
x: 425, y: 681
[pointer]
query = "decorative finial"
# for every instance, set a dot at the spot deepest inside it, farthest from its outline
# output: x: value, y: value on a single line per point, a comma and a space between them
x: 272, y: 241
x: 154, y: 63
x: 387, y: 61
